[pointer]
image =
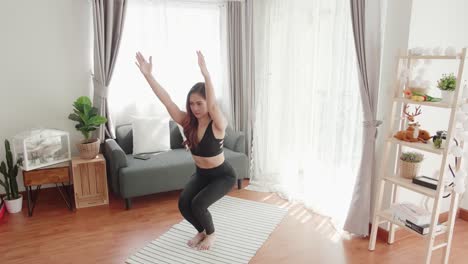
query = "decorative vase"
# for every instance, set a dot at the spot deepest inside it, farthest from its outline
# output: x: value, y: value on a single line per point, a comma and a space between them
x: 89, y: 150
x: 447, y: 96
x: 409, y: 170
x: 14, y: 206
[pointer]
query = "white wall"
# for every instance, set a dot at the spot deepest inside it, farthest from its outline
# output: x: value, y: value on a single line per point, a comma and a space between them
x: 45, y: 64
x: 438, y: 23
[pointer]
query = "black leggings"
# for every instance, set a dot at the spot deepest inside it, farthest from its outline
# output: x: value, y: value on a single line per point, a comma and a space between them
x: 205, y: 187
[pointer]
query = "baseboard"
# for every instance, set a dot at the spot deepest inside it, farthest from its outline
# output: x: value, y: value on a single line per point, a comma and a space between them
x: 463, y: 214
x: 443, y: 217
x: 383, y: 234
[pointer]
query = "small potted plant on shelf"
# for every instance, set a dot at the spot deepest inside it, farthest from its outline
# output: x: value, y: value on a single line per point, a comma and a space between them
x: 410, y: 163
x: 14, y: 200
x: 439, y: 140
x: 88, y: 120
x: 447, y: 85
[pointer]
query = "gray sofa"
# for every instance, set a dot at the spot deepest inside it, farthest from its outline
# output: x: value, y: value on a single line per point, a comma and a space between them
x: 165, y: 171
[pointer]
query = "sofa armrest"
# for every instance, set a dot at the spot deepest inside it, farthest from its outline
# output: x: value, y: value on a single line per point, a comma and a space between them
x: 235, y: 141
x: 116, y: 159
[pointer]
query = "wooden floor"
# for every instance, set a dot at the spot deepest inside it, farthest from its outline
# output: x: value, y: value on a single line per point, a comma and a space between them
x: 109, y: 234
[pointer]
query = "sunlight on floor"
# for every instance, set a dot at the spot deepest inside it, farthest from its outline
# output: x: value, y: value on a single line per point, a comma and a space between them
x: 304, y: 216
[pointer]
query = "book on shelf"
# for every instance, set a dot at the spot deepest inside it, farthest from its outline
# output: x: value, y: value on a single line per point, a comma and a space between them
x: 426, y: 182
x: 407, y: 211
x: 421, y: 229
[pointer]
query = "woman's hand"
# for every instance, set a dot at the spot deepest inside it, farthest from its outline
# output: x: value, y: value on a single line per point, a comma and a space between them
x: 144, y: 66
x: 202, y: 64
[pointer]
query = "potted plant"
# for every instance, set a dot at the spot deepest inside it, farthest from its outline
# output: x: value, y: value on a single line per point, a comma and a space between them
x: 447, y: 85
x: 88, y: 120
x: 14, y: 200
x: 410, y: 163
x: 439, y: 140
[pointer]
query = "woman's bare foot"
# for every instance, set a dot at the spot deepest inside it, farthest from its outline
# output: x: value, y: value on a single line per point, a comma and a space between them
x: 196, y: 239
x: 207, y: 242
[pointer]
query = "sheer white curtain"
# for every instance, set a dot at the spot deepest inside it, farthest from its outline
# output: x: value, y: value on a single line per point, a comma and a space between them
x: 171, y: 32
x: 308, y: 118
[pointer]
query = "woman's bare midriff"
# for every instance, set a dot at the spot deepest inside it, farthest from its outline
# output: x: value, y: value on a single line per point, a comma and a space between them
x: 209, y: 162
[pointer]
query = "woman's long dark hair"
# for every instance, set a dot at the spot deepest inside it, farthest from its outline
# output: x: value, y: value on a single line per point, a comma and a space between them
x: 190, y: 123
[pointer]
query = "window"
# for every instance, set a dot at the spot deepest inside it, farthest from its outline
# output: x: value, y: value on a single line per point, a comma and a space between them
x: 170, y: 32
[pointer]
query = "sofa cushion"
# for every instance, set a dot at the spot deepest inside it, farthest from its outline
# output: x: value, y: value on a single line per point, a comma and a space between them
x: 150, y: 134
x: 234, y: 140
x: 124, y: 137
x: 239, y: 162
x: 165, y: 171
x: 176, y: 136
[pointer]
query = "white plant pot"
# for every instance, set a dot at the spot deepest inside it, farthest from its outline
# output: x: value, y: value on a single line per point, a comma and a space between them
x: 447, y: 96
x: 14, y: 206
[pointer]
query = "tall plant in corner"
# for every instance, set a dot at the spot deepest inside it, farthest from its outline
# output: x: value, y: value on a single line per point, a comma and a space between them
x: 88, y: 121
x: 9, y: 170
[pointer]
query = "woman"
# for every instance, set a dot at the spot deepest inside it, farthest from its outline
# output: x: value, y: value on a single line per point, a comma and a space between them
x: 204, y: 126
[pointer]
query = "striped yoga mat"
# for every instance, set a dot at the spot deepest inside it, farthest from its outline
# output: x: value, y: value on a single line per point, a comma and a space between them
x: 242, y: 227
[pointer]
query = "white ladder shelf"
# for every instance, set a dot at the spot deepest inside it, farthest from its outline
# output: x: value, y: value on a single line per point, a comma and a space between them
x: 384, y: 215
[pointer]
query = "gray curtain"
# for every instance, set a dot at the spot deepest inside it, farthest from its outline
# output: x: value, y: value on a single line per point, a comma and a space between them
x: 109, y: 16
x: 367, y: 38
x: 235, y: 39
x: 240, y: 59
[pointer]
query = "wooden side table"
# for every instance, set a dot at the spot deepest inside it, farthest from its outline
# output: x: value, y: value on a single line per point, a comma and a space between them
x: 90, y: 181
x: 55, y: 174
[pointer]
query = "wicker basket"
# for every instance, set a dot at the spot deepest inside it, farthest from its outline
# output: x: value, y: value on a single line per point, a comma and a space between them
x: 89, y: 150
x: 409, y: 170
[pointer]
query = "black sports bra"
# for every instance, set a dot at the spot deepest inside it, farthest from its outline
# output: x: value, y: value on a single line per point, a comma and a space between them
x: 209, y: 146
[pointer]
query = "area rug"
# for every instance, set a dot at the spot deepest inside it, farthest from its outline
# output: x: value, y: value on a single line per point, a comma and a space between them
x: 242, y: 226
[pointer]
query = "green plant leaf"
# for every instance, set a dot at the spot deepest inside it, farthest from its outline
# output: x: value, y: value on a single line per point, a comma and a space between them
x: 78, y: 108
x: 86, y: 110
x: 8, y: 155
x: 90, y: 129
x: 97, y: 120
x: 81, y: 102
x: 85, y: 134
x: 84, y: 100
x: 77, y: 112
x: 448, y: 82
x: 15, y: 171
x: 411, y: 156
x: 3, y: 169
x: 84, y: 118
x: 74, y: 117
x: 93, y: 112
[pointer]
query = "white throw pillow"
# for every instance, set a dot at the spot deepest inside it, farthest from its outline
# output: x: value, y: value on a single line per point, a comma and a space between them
x: 150, y: 134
